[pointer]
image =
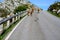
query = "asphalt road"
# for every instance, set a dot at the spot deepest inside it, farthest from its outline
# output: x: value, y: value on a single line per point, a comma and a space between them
x: 39, y: 26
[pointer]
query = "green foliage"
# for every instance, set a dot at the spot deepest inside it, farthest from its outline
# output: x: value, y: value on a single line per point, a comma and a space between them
x: 3, y: 12
x: 54, y: 6
x: 20, y: 8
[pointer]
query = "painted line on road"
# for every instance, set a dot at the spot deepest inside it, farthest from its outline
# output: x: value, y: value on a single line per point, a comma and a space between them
x: 14, y: 29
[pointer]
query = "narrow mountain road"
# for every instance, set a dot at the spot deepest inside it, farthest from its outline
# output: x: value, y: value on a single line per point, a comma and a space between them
x: 39, y: 26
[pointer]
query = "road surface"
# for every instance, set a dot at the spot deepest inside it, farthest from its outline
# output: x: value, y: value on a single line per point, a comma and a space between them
x: 39, y: 26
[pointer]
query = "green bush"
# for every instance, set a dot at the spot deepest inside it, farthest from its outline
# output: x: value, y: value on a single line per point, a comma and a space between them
x: 20, y: 8
x: 3, y: 12
x: 54, y: 6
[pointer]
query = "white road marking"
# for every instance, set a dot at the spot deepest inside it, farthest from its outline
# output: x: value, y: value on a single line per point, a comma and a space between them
x: 14, y: 29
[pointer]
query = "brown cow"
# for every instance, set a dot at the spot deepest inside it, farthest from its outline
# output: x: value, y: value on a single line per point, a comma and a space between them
x: 32, y: 10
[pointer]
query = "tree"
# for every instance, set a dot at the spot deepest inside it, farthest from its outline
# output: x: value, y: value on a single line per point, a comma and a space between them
x: 20, y: 8
x: 3, y: 12
x: 56, y: 6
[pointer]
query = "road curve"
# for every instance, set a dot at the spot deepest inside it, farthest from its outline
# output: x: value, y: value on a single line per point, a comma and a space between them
x: 39, y: 26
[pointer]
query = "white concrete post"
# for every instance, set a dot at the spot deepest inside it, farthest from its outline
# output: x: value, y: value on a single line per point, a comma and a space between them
x: 13, y: 18
x: 16, y: 17
x: 19, y: 16
x: 8, y: 22
x: 1, y: 26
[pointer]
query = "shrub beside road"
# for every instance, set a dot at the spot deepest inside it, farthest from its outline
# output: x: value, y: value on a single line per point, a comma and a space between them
x: 55, y: 9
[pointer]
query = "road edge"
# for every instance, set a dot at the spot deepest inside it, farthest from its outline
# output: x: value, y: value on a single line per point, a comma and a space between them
x: 14, y: 28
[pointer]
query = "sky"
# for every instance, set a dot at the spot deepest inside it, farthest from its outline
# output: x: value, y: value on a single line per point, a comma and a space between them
x: 44, y: 4
x: 1, y: 0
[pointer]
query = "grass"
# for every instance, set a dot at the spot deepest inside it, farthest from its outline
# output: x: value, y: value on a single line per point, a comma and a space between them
x: 5, y: 33
x: 55, y: 14
x: 8, y: 30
